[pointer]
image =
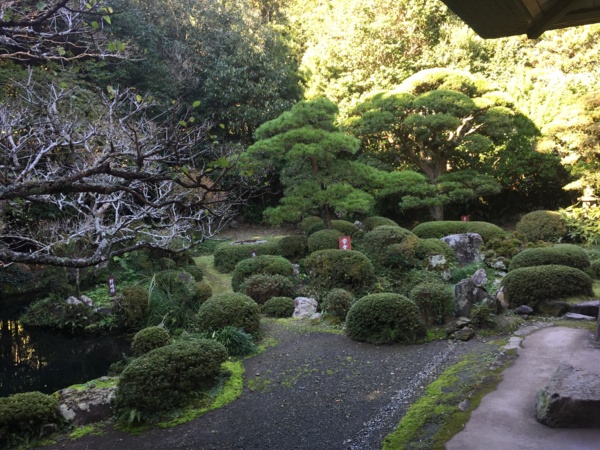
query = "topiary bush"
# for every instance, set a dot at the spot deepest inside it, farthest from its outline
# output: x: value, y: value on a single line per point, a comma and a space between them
x: 262, y: 287
x: 279, y: 307
x: 166, y: 377
x: 435, y: 301
x: 432, y: 246
x: 324, y: 239
x: 338, y: 302
x: 308, y: 222
x: 343, y: 226
x: 23, y: 415
x: 595, y: 268
x: 542, y: 226
x: 390, y: 247
x: 346, y: 269
x: 226, y: 309
x: 377, y: 221
x: 264, y: 264
x: 408, y: 280
x: 148, y: 339
x: 203, y: 291
x: 384, y: 319
x: 134, y: 302
x: 194, y: 271
x: 293, y: 247
x: 533, y: 285
x: 560, y: 254
x: 443, y: 228
x: 227, y: 255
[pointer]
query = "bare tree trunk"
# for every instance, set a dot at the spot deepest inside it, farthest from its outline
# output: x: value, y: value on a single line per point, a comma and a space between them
x: 437, y: 212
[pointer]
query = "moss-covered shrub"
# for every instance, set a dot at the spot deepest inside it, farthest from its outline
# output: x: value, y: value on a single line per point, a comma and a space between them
x: 293, y: 247
x: 408, y: 280
x: 432, y: 246
x: 533, y: 285
x: 203, y: 291
x: 343, y: 226
x: 308, y: 222
x: 377, y: 221
x: 263, y: 264
x: 55, y: 313
x: 506, y: 247
x: 226, y: 309
x: 435, y: 301
x: 324, y: 239
x: 390, y: 247
x: 542, y: 226
x: 148, y: 339
x: 346, y: 269
x: 384, y: 319
x: 338, y: 302
x: 279, y: 307
x: 22, y: 417
x: 226, y: 255
x: 262, y: 287
x: 445, y: 228
x: 194, y: 271
x: 134, y: 303
x: 167, y: 377
x: 560, y: 254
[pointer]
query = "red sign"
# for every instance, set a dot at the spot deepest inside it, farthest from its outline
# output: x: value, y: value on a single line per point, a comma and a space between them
x: 345, y: 243
x: 464, y: 218
x: 112, y: 286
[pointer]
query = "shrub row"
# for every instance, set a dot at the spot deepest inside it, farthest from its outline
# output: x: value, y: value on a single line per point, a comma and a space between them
x: 440, y: 229
x: 263, y: 264
x: 226, y: 255
x: 560, y: 254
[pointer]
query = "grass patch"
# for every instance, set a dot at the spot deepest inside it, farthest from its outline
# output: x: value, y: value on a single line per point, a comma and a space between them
x: 306, y: 326
x: 87, y: 430
x: 447, y: 403
x: 220, y: 282
x: 99, y: 383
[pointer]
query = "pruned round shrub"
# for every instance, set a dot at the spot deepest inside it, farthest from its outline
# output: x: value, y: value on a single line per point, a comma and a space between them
x: 148, y: 339
x: 23, y: 415
x: 343, y: 226
x: 263, y: 264
x: 293, y: 247
x: 444, y: 228
x: 408, y: 280
x: 227, y: 255
x: 542, y: 226
x: 435, y: 301
x: 134, y: 302
x: 338, y: 302
x: 384, y: 319
x: 226, y: 309
x: 324, y: 239
x: 346, y: 269
x: 390, y: 247
x: 203, y: 291
x: 194, y: 271
x: 262, y: 287
x: 595, y: 268
x: 279, y: 307
x: 165, y: 377
x: 533, y: 285
x: 377, y: 221
x: 432, y: 246
x: 308, y: 222
x: 560, y: 254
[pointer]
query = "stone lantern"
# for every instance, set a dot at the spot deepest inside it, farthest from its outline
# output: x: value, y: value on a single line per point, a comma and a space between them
x: 588, y: 199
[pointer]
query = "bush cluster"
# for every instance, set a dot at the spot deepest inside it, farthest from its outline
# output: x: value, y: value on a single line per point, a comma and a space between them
x: 542, y: 226
x: 22, y: 417
x: 384, y: 319
x: 533, y: 285
x: 308, y: 222
x: 560, y: 254
x: 262, y: 287
x: 263, y: 264
x: 390, y: 247
x: 443, y: 228
x: 226, y: 309
x: 377, y: 221
x: 324, y: 239
x: 134, y: 302
x: 227, y: 255
x: 148, y: 339
x: 279, y: 307
x: 293, y: 247
x: 194, y: 271
x: 55, y: 313
x: 408, y: 280
x: 346, y: 269
x: 435, y: 301
x: 338, y: 302
x: 165, y: 377
x: 203, y: 291
x: 432, y: 246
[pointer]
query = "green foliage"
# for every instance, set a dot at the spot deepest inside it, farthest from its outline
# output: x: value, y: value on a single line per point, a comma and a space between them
x: 226, y: 309
x: 506, y: 247
x: 406, y: 281
x: 542, y: 226
x: 308, y: 222
x: 377, y: 221
x: 583, y: 224
x: 279, y: 307
x: 347, y: 269
x: 559, y: 254
x: 533, y: 285
x: 263, y: 264
x: 22, y: 417
x: 435, y: 301
x: 55, y: 313
x: 262, y: 287
x: 595, y: 268
x: 235, y: 340
x: 293, y: 247
x: 148, y: 339
x: 432, y: 246
x: 384, y: 319
x: 445, y: 228
x: 204, y: 291
x: 168, y: 376
x: 338, y: 302
x: 343, y: 226
x: 194, y: 271
x: 324, y: 239
x: 228, y: 255
x: 390, y: 247
x: 134, y: 303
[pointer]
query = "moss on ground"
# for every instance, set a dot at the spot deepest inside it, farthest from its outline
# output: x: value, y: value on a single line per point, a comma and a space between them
x: 305, y: 325
x: 219, y: 282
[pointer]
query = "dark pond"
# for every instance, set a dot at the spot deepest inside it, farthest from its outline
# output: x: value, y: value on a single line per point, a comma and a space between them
x: 35, y: 360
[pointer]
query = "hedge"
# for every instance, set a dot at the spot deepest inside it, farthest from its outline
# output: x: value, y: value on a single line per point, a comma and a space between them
x: 444, y: 228
x: 263, y: 264
x: 377, y: 221
x: 560, y: 254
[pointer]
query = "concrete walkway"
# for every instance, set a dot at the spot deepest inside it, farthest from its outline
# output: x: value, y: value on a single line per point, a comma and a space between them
x: 505, y: 419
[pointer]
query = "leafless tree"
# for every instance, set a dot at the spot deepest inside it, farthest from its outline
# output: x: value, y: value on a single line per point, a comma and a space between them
x: 113, y: 173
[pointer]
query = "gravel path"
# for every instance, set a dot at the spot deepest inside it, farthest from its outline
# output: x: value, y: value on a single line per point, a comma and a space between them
x: 311, y: 391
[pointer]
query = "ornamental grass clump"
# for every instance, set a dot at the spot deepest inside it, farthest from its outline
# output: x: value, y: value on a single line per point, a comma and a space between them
x: 148, y: 339
x: 227, y: 309
x: 263, y: 264
x: 384, y: 319
x: 560, y: 254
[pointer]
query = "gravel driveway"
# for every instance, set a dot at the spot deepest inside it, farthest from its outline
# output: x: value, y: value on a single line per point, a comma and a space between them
x: 311, y: 391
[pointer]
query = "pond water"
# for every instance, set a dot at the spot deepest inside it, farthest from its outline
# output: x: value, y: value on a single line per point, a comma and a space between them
x: 35, y: 360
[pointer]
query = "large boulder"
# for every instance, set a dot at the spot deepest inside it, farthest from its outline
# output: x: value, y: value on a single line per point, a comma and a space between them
x: 467, y: 294
x: 586, y: 308
x: 304, y: 307
x: 467, y: 247
x: 93, y: 404
x: 571, y: 399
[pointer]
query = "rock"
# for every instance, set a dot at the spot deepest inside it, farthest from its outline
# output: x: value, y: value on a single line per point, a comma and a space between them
x: 439, y: 264
x: 305, y: 307
x: 457, y: 324
x: 316, y: 317
x: 502, y: 299
x: 296, y: 269
x: 587, y: 308
x: 86, y: 406
x: 466, y: 295
x: 574, y: 316
x: 554, y: 308
x: 86, y: 300
x: 524, y: 310
x: 499, y: 263
x: 359, y: 225
x: 479, y: 278
x: 464, y: 334
x: 491, y: 304
x: 513, y: 343
x: 467, y: 247
x: 73, y: 301
x: 464, y: 405
x: 571, y: 399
